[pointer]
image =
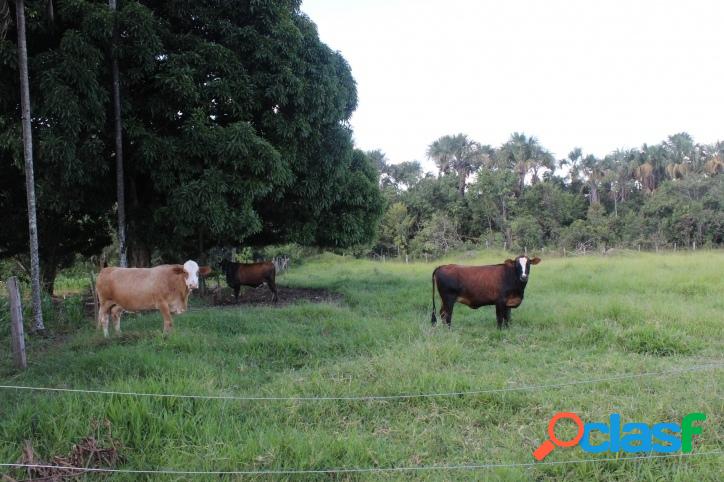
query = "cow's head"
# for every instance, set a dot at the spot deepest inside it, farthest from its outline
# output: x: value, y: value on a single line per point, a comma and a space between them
x: 522, y: 266
x: 224, y: 264
x: 192, y: 273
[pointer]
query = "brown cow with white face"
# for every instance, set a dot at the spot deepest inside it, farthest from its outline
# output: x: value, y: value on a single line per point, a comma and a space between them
x: 502, y: 285
x: 165, y: 288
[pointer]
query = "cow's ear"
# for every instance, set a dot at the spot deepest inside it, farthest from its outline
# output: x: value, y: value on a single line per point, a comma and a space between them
x: 509, y: 262
x: 179, y: 270
x: 535, y: 260
x: 204, y: 270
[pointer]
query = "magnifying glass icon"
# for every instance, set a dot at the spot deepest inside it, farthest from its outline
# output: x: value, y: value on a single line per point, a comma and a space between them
x: 547, y: 446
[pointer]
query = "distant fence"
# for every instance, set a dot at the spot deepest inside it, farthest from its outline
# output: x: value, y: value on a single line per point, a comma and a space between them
x: 581, y: 249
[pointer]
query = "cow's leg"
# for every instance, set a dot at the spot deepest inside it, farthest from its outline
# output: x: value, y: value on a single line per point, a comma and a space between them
x: 236, y: 292
x: 166, y: 313
x: 446, y: 312
x: 273, y: 288
x: 103, y: 314
x: 116, y: 313
x: 507, y: 317
x: 500, y: 314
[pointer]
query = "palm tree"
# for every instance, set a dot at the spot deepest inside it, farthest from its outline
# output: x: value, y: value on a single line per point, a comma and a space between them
x: 28, y: 155
x: 649, y: 168
x: 523, y: 154
x: 680, y: 155
x: 441, y: 152
x: 588, y: 169
x: 620, y: 169
x: 118, y: 127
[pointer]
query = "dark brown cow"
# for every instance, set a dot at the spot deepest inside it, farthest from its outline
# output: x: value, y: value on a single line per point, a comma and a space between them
x: 502, y: 285
x: 250, y: 274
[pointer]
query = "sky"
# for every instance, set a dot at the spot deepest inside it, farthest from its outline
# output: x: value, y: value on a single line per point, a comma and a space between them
x: 599, y: 75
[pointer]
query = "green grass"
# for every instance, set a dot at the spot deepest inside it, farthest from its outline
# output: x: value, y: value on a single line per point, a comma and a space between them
x: 583, y: 318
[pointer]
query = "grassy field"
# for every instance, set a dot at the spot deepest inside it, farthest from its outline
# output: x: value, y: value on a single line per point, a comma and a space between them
x: 583, y: 318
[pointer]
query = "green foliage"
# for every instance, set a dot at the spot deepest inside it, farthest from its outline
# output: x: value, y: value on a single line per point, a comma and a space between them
x: 527, y: 233
x: 396, y: 227
x: 438, y: 236
x: 236, y: 129
x: 516, y: 197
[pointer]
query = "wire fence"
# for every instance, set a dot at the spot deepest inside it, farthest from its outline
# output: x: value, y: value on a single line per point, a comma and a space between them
x: 618, y: 377
x: 348, y: 470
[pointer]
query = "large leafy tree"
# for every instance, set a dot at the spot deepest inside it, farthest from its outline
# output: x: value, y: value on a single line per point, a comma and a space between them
x: 238, y: 131
x: 235, y: 120
x: 67, y: 122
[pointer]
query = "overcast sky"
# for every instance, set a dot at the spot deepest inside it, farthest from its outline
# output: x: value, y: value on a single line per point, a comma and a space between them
x: 595, y: 74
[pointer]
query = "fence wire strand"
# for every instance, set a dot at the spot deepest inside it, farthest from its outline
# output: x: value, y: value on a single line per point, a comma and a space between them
x: 369, y: 397
x: 342, y: 470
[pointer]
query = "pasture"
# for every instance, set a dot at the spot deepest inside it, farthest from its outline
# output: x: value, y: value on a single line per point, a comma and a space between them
x: 582, y: 319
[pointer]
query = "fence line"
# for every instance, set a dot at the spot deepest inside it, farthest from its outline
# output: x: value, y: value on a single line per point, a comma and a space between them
x: 369, y: 397
x: 357, y: 469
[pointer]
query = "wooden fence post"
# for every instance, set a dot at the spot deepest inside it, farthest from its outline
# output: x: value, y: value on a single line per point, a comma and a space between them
x: 16, y: 324
x: 94, y: 295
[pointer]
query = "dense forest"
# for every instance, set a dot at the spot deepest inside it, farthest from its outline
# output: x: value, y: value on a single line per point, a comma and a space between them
x: 518, y: 196
x: 235, y: 133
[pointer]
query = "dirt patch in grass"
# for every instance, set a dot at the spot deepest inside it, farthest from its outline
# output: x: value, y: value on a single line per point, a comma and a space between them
x: 262, y: 296
x: 97, y: 450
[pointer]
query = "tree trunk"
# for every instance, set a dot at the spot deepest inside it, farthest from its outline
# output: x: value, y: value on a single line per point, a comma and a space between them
x: 120, y: 187
x: 29, y: 174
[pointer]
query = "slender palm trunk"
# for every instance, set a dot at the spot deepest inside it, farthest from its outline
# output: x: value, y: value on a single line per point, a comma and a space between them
x: 120, y: 187
x: 29, y: 173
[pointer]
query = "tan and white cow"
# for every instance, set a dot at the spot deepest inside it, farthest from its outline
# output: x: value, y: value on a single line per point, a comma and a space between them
x: 165, y: 288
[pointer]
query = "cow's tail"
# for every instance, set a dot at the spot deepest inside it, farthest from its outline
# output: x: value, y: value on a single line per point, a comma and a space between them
x: 433, y: 319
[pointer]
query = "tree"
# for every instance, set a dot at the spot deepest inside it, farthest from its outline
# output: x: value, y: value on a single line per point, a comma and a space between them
x: 396, y: 227
x: 237, y: 130
x: 460, y: 155
x: 590, y: 170
x: 118, y: 130
x: 69, y: 133
x: 492, y: 200
x: 523, y: 154
x: 441, y: 152
x: 28, y: 156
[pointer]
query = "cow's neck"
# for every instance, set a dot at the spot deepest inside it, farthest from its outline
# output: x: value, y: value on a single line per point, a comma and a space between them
x: 514, y: 283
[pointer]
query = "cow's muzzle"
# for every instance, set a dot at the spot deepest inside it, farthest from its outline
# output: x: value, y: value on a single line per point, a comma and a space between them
x: 524, y: 278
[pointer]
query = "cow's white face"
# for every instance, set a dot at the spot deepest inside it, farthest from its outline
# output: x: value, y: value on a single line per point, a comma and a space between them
x: 522, y: 267
x: 192, y: 274
x: 524, y: 270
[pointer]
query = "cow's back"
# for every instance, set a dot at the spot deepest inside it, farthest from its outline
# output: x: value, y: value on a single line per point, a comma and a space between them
x: 138, y: 289
x: 254, y: 273
x: 473, y: 285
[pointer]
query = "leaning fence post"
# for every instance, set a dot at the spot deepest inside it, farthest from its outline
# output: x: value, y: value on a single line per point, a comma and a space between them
x: 16, y: 324
x: 94, y: 295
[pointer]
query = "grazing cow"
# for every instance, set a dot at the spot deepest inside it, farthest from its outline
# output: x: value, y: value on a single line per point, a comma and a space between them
x: 165, y: 288
x: 501, y: 285
x: 250, y: 274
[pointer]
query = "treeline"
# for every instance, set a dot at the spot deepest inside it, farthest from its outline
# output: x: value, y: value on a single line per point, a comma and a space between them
x: 519, y: 196
x: 235, y: 131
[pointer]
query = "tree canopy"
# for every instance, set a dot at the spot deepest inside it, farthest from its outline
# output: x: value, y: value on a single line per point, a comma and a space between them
x: 518, y: 196
x: 236, y: 129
